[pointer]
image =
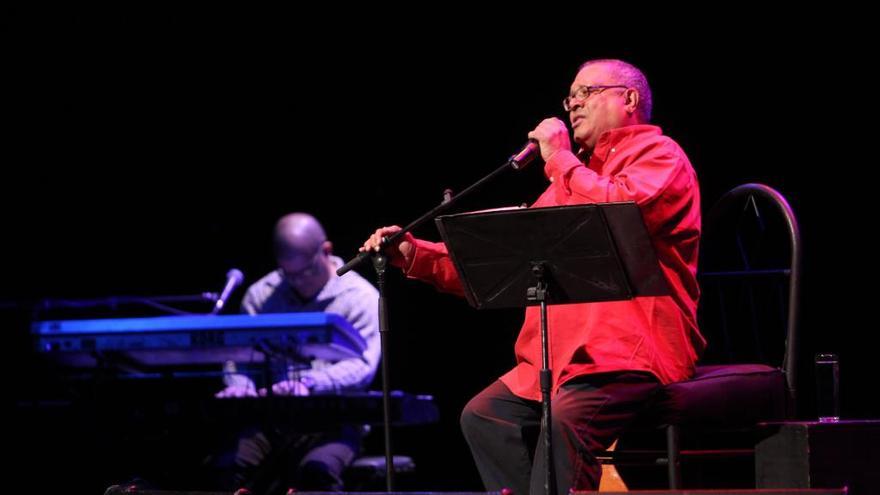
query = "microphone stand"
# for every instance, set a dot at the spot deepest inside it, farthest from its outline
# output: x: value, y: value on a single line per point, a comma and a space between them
x: 380, y: 262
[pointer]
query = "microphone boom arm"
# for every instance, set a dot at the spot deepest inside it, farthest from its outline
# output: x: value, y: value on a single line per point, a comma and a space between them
x: 517, y: 162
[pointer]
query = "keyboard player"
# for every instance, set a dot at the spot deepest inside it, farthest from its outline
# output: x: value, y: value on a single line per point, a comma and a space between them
x: 305, y: 281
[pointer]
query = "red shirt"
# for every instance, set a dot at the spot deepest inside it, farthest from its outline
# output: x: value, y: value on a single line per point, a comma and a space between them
x: 654, y: 334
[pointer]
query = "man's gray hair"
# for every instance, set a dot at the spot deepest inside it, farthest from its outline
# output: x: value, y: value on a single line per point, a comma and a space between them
x: 629, y: 75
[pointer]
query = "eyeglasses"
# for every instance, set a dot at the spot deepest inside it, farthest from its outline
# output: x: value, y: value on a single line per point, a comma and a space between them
x: 584, y: 92
x: 308, y: 271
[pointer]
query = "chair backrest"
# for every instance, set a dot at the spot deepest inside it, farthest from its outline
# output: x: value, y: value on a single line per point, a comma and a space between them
x: 750, y: 261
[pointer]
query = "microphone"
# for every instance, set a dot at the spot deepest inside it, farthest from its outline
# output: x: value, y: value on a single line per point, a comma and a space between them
x: 234, y: 278
x: 526, y: 156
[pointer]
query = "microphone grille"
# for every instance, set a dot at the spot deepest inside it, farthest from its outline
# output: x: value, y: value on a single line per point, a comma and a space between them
x: 236, y: 275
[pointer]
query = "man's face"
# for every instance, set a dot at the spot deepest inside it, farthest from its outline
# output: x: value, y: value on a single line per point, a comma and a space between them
x: 598, y: 112
x: 306, y: 273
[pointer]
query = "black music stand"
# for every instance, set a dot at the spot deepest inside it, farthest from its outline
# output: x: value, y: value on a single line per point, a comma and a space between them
x: 559, y: 255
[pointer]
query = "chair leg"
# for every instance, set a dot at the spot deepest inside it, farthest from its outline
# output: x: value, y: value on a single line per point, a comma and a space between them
x: 673, y: 450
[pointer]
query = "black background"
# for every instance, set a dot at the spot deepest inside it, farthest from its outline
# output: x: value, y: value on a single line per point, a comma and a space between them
x: 147, y: 151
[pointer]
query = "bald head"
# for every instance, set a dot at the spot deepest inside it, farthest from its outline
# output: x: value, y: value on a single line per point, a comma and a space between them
x: 298, y: 234
x: 303, y: 254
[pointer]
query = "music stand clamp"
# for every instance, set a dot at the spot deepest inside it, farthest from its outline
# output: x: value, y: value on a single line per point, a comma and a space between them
x: 557, y: 255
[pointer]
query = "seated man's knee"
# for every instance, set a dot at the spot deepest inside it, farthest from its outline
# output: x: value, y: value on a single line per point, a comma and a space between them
x: 252, y: 448
x: 470, y: 418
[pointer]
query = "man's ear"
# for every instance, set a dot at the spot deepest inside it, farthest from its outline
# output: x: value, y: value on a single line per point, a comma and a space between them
x: 631, y: 97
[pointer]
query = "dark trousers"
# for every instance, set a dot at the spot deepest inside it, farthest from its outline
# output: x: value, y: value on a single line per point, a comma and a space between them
x: 272, y: 462
x: 588, y: 414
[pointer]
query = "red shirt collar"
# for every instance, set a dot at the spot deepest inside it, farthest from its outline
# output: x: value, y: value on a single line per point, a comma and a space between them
x: 615, y: 137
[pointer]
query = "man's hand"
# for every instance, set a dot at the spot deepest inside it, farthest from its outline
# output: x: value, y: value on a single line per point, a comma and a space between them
x: 288, y: 387
x: 237, y: 385
x: 552, y: 136
x: 400, y: 254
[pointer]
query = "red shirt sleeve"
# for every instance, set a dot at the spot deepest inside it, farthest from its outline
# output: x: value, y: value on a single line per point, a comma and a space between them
x: 431, y: 263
